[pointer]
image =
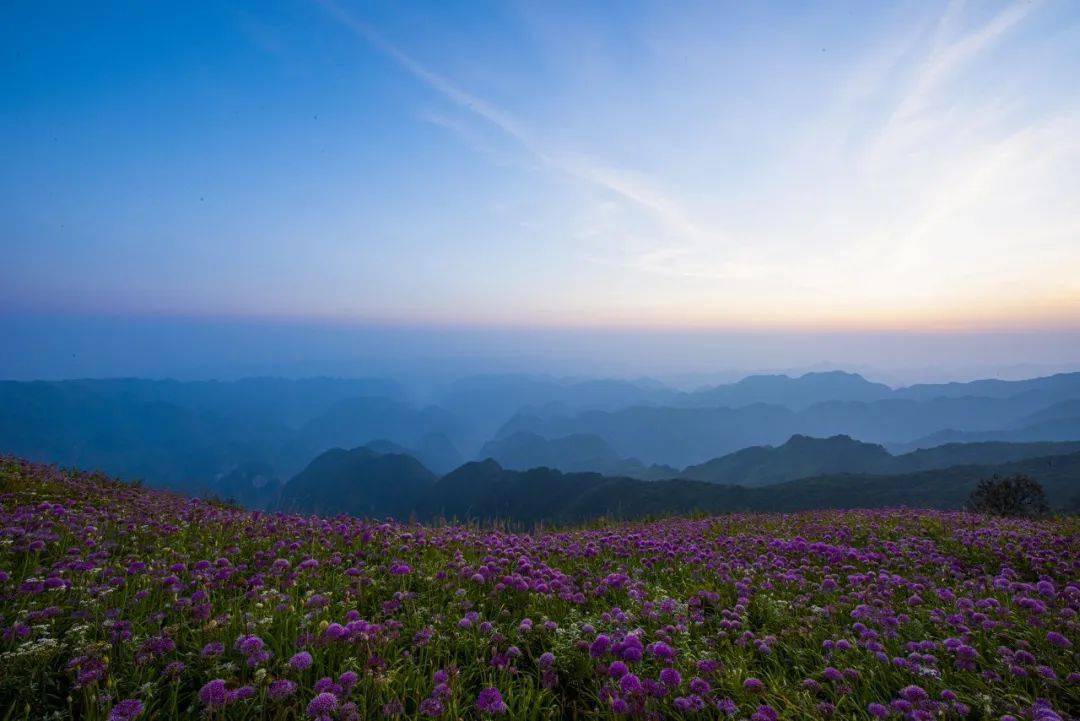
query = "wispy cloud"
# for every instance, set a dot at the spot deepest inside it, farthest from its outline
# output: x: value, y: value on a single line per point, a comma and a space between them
x: 916, y: 114
x: 632, y: 187
x: 890, y: 187
x: 958, y: 151
x: 436, y: 82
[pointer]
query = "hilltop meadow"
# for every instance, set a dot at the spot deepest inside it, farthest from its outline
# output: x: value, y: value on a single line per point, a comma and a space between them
x: 121, y: 603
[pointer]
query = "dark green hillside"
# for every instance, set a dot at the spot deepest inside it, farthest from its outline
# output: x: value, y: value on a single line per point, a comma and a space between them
x: 360, y: 482
x: 985, y: 453
x: 799, y: 457
x: 363, y: 482
x: 803, y: 456
x: 944, y: 488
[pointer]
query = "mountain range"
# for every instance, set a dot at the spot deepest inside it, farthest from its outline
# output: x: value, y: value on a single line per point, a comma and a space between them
x: 577, y: 452
x: 802, y: 456
x: 244, y: 438
x: 192, y: 436
x: 364, y: 482
x: 681, y: 436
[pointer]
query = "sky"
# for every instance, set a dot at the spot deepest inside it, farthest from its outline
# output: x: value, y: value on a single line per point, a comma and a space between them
x: 519, y: 179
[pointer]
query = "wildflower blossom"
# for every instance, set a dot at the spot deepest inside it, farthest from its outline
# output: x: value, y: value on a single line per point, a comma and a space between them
x: 280, y: 689
x: 490, y: 701
x: 214, y: 694
x: 301, y: 661
x: 322, y: 706
x: 878, y: 710
x: 670, y: 677
x: 126, y: 710
x: 1057, y: 639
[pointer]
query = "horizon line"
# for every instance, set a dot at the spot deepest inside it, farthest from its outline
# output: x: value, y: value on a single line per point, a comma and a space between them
x: 1058, y: 323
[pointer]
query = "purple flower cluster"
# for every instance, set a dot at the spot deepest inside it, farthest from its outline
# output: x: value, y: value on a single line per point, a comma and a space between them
x: 153, y: 605
x: 490, y: 701
x: 126, y: 710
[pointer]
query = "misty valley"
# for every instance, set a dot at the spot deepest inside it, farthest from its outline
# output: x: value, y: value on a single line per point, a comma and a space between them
x: 537, y: 449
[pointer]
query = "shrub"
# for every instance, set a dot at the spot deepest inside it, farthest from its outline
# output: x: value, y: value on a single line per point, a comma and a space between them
x: 1009, y: 496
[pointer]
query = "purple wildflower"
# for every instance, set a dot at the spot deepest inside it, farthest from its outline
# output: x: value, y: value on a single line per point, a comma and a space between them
x: 670, y: 677
x: 878, y: 710
x: 210, y: 650
x: 431, y: 707
x: 214, y: 694
x: 322, y: 706
x: 126, y: 710
x: 765, y: 713
x: 1057, y: 639
x: 281, y: 688
x: 630, y: 685
x: 301, y: 661
x: 490, y: 701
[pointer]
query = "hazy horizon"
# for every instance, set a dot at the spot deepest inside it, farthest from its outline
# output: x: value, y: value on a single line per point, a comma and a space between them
x: 69, y: 346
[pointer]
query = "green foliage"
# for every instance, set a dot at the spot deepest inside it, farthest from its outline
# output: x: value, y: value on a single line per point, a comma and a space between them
x: 1010, y: 496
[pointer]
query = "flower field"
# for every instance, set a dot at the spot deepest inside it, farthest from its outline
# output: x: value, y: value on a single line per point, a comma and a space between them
x: 122, y: 603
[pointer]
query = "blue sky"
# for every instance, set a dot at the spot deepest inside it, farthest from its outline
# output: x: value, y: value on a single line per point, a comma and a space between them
x: 730, y: 166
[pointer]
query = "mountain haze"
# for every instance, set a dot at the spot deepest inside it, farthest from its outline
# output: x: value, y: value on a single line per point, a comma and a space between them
x: 579, y: 452
x: 225, y: 438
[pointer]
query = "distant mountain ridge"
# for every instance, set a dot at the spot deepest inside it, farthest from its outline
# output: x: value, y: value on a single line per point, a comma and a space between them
x: 1060, y: 384
x: 802, y: 456
x: 208, y: 436
x: 799, y: 457
x: 505, y: 395
x: 192, y: 436
x: 357, y: 482
x: 435, y: 451
x: 794, y: 393
x: 681, y: 436
x: 579, y: 452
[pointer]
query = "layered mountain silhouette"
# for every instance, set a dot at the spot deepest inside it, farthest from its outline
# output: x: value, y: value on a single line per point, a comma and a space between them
x: 799, y: 457
x: 363, y: 482
x: 802, y: 456
x: 487, y: 401
x: 434, y: 450
x: 1057, y: 422
x: 193, y: 436
x: 224, y: 437
x: 1061, y: 385
x: 579, y: 452
x: 795, y: 393
x: 685, y: 436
